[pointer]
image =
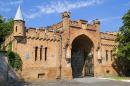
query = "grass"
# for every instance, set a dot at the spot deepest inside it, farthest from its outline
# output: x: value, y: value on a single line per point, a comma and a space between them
x: 119, y: 78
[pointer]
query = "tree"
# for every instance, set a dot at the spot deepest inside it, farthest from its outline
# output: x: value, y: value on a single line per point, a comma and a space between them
x: 123, y: 38
x: 123, y: 49
x: 6, y: 28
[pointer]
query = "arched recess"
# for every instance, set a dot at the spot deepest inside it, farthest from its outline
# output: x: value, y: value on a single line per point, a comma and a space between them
x: 82, y: 57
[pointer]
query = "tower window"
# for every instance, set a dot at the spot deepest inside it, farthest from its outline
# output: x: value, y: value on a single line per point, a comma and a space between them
x: 45, y: 53
x: 36, y: 49
x: 106, y: 55
x: 41, y: 53
x: 16, y: 28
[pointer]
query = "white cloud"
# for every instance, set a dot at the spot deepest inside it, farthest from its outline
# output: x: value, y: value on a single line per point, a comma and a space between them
x: 10, y: 2
x: 110, y: 19
x: 5, y: 5
x: 61, y: 6
x: 15, y: 2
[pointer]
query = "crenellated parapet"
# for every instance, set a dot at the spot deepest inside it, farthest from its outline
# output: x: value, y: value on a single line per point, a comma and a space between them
x: 42, y: 34
x: 83, y: 24
x: 56, y: 26
x: 108, y: 35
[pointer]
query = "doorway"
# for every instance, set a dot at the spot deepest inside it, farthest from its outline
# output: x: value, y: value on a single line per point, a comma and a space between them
x: 82, y: 57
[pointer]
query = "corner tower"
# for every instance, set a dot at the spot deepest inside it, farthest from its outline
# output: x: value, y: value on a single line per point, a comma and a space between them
x: 66, y: 19
x: 19, y: 25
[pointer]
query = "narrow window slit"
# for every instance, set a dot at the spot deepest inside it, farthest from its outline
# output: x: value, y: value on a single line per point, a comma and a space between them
x: 41, y: 53
x: 106, y: 55
x: 45, y: 53
x: 36, y: 49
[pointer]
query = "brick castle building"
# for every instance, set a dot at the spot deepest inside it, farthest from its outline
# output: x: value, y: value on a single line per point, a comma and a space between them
x: 64, y: 50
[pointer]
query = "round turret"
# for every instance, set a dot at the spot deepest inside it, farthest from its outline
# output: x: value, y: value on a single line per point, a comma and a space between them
x: 19, y: 25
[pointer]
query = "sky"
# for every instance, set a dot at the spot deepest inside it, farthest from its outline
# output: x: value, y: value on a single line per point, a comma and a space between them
x: 43, y: 13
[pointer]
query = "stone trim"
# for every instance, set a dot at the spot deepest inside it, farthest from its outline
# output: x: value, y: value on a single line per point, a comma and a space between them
x: 109, y: 45
x: 44, y: 39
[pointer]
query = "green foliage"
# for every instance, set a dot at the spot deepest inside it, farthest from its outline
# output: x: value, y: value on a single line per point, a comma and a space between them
x: 6, y: 28
x: 122, y: 62
x: 119, y: 78
x: 14, y: 60
x: 123, y: 38
x: 9, y: 46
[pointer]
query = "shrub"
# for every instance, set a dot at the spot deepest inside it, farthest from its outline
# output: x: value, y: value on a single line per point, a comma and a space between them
x: 14, y: 60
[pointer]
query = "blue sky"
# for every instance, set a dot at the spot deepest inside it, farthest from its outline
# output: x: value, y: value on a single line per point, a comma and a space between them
x: 42, y: 13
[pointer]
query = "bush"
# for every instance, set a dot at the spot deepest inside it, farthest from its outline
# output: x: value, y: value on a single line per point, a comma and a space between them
x: 14, y: 60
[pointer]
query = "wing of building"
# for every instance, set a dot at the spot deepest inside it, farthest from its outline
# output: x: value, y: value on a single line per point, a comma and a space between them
x: 68, y: 49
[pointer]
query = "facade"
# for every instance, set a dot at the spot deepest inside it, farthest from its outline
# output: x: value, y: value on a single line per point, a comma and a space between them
x: 68, y: 49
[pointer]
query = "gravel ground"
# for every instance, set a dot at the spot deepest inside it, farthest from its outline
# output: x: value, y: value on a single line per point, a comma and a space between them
x: 75, y: 82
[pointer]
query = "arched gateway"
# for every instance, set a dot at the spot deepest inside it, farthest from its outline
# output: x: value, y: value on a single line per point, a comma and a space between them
x: 82, y: 57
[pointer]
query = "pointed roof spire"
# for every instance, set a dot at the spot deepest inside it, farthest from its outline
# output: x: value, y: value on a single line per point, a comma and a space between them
x: 19, y: 15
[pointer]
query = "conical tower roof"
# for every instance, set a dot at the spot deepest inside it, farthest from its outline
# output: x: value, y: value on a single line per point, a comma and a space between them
x: 19, y: 15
